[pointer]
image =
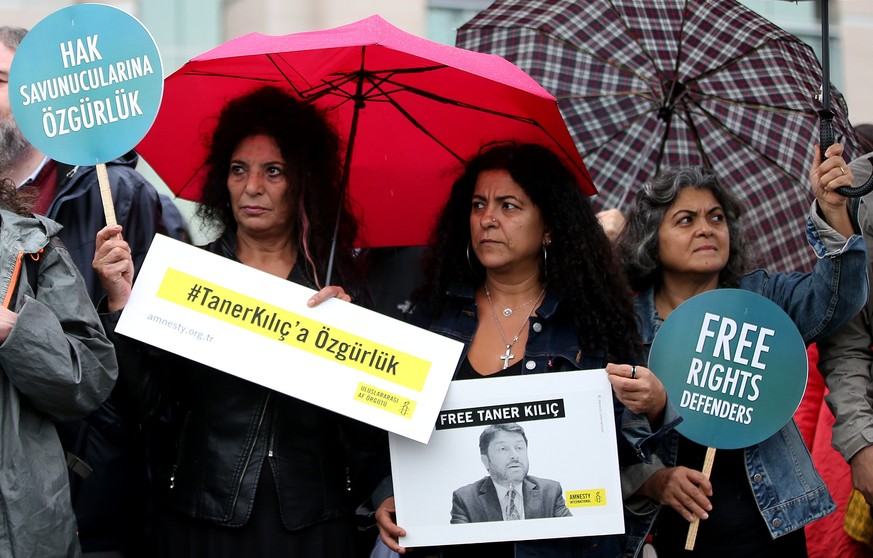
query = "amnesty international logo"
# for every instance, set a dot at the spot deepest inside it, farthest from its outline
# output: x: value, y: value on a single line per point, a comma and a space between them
x: 586, y: 498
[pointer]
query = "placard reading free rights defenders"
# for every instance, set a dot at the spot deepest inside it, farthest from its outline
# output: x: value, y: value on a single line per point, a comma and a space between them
x: 734, y: 366
x: 256, y: 326
x: 551, y: 436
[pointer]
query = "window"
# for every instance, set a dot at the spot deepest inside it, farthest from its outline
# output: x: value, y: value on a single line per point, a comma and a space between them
x: 445, y: 16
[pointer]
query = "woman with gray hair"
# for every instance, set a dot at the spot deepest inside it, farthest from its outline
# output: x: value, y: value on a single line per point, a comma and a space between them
x: 682, y: 238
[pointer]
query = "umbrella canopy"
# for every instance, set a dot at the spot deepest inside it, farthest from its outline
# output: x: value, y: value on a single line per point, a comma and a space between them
x: 664, y: 83
x: 410, y: 111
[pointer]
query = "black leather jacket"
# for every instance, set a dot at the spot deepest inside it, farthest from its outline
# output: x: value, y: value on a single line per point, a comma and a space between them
x: 323, y: 464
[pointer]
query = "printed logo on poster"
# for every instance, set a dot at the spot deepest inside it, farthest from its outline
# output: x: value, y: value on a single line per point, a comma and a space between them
x: 734, y: 366
x: 86, y: 83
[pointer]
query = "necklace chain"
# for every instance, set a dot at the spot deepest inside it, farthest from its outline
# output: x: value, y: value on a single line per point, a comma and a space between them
x: 508, y: 311
x: 506, y: 357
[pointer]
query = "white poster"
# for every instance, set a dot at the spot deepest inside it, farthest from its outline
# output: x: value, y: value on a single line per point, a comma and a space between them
x: 513, y: 458
x: 256, y: 326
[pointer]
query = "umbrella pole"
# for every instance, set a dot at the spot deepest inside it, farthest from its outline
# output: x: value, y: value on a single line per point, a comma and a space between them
x: 825, y: 59
x: 347, y: 164
x: 826, y: 126
x: 825, y: 116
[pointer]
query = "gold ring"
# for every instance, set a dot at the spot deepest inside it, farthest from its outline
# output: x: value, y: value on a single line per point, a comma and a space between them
x: 842, y: 171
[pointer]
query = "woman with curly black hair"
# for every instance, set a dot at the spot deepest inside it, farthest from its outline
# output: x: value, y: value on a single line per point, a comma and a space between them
x: 521, y: 272
x: 569, y: 251
x: 255, y: 472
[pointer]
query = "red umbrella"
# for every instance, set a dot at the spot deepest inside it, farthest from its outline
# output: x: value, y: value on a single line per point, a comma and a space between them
x: 410, y: 110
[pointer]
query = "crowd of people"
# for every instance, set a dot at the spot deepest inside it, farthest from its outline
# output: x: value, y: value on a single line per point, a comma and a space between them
x: 114, y: 448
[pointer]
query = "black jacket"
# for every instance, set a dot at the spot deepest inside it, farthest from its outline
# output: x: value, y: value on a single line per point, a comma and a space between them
x: 323, y: 464
x: 77, y: 206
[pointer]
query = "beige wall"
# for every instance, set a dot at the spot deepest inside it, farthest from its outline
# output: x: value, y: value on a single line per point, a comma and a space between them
x: 854, y: 18
x: 856, y: 27
x: 27, y: 13
x: 276, y: 17
x: 273, y: 17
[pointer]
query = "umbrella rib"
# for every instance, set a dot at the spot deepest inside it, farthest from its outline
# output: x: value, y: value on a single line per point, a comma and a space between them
x: 669, y: 98
x: 605, y: 61
x: 607, y: 141
x: 201, y: 73
x: 747, y: 105
x: 697, y: 139
x: 412, y: 120
x: 639, y: 44
x: 480, y: 109
x: 377, y: 81
x: 707, y: 114
x: 275, y: 64
x: 331, y: 86
x: 345, y: 77
x: 691, y: 82
x: 618, y: 94
x: 455, y: 102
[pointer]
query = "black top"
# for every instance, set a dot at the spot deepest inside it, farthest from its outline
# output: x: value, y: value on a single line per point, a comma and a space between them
x: 733, y: 511
x: 466, y: 371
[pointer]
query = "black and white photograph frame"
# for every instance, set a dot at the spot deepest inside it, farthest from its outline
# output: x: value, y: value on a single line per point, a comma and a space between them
x: 562, y: 422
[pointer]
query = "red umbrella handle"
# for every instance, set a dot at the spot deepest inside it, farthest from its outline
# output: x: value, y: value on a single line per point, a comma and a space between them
x: 827, y: 139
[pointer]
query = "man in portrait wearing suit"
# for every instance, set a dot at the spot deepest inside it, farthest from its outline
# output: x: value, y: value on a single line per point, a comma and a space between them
x: 508, y: 492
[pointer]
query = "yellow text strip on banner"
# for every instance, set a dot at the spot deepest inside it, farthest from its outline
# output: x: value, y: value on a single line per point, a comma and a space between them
x: 292, y: 329
x: 585, y: 498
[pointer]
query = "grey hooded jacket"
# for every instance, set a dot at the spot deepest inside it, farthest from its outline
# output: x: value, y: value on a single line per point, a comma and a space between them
x: 56, y: 363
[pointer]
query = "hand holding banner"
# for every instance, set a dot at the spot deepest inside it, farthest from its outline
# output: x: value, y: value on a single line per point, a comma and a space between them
x: 339, y: 356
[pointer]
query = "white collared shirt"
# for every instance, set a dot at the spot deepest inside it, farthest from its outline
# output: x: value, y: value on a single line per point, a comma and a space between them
x: 35, y: 172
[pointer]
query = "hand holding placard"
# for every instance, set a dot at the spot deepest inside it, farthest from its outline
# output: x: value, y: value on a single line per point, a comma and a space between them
x: 735, y: 366
x: 695, y: 525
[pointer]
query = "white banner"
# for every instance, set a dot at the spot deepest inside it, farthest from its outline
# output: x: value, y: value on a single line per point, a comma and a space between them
x: 256, y: 326
x: 564, y: 467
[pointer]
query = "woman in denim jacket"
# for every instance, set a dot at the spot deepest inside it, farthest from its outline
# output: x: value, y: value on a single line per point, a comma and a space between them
x: 683, y: 238
x: 520, y: 271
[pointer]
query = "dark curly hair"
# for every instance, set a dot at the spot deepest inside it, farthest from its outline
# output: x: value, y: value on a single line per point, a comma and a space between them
x: 312, y: 152
x: 581, y: 267
x: 17, y: 200
x: 638, y: 242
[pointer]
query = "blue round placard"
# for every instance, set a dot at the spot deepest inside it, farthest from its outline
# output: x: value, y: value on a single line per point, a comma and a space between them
x: 85, y: 84
x: 734, y: 366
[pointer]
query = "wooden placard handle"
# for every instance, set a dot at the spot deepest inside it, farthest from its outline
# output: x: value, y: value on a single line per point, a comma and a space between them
x: 692, y: 529
x: 106, y: 194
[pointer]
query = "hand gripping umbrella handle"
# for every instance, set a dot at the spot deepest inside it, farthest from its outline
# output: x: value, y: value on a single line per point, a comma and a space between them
x: 826, y: 135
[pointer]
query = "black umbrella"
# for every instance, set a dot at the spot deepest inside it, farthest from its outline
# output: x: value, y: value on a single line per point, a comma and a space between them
x: 827, y: 137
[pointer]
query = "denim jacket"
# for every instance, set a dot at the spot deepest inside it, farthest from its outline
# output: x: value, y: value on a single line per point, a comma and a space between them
x: 552, y: 346
x: 788, y: 490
